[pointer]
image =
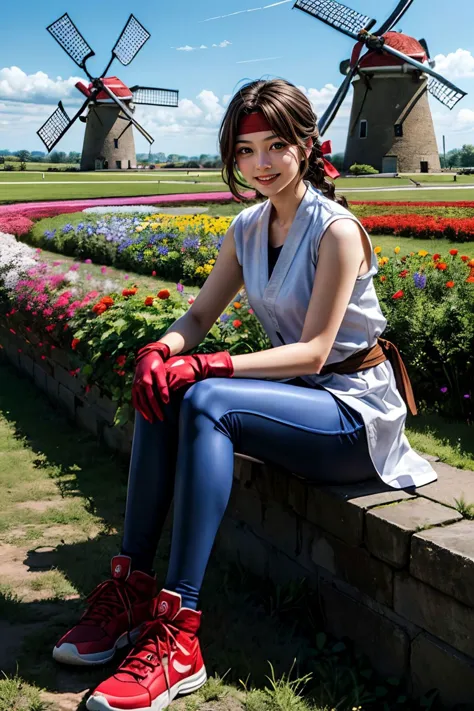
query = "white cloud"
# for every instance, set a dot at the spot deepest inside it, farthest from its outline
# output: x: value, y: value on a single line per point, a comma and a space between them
x: 189, y: 48
x: 15, y: 85
x: 321, y: 98
x: 456, y: 64
x: 262, y: 59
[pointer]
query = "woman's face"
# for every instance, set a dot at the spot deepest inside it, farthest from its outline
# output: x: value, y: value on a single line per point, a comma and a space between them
x: 267, y: 162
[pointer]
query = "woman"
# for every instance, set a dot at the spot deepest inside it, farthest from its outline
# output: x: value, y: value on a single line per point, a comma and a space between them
x: 323, y: 401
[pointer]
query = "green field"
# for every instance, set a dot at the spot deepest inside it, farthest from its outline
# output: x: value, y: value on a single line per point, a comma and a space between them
x: 416, y: 195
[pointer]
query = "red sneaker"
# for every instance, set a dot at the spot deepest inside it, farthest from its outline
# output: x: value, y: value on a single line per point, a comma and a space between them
x: 165, y: 662
x: 116, y: 611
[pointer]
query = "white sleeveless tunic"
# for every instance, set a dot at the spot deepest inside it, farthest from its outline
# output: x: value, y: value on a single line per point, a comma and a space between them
x: 280, y: 305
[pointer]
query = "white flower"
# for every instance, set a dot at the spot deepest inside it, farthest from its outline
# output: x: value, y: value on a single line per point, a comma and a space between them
x: 15, y: 260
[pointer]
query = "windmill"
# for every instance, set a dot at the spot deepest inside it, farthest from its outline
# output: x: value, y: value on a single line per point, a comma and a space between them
x: 391, y: 126
x: 110, y: 104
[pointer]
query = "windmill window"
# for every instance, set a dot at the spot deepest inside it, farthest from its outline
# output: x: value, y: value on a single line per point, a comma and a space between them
x: 398, y: 130
x: 115, y: 142
x: 363, y: 129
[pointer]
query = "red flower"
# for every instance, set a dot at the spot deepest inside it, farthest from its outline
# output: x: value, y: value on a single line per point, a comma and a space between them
x: 442, y: 266
x: 153, y: 273
x: 75, y: 343
x: 130, y: 292
x: 120, y: 372
x: 99, y: 309
x: 398, y: 295
x: 383, y: 278
x: 149, y: 301
x: 404, y: 273
x: 236, y: 323
x: 436, y: 257
x: 107, y: 300
x: 450, y: 284
x: 163, y: 294
x: 464, y: 258
x: 470, y: 280
x: 121, y: 360
x: 453, y: 252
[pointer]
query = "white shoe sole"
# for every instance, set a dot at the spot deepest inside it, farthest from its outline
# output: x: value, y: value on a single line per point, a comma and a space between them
x: 97, y: 702
x: 67, y: 653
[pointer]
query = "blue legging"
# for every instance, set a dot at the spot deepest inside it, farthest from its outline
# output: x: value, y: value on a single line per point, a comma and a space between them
x: 302, y: 428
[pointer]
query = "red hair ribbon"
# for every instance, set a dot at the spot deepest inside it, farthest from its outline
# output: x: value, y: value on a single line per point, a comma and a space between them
x: 329, y: 169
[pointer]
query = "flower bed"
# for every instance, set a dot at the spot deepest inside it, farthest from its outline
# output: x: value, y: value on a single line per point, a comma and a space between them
x: 428, y: 301
x: 422, y: 226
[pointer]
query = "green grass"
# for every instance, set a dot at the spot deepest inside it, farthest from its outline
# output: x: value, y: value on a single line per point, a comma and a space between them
x: 30, y: 165
x: 151, y: 176
x: 16, y: 695
x: 416, y: 195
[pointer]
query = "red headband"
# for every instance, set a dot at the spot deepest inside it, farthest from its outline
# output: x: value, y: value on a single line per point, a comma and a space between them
x: 256, y: 121
x: 251, y: 123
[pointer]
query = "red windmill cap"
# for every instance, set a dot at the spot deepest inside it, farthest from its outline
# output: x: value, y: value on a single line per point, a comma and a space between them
x: 118, y: 87
x: 403, y: 43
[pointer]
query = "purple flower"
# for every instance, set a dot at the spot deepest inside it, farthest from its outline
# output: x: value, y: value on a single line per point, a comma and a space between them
x: 180, y: 288
x: 87, y: 261
x: 126, y: 276
x: 224, y: 318
x: 467, y: 396
x: 420, y: 280
x: 444, y: 390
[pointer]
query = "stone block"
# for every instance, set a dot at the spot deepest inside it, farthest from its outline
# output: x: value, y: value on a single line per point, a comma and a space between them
x: 389, y: 528
x: 298, y: 495
x: 67, y: 401
x: 11, y: 352
x: 451, y: 484
x: 86, y: 418
x: 40, y: 377
x: 437, y: 613
x: 385, y: 643
x: 112, y: 437
x: 444, y: 558
x: 68, y: 381
x: 106, y: 408
x: 52, y: 388
x: 340, y: 510
x: 283, y: 569
x: 280, y: 528
x: 238, y: 543
x: 435, y: 665
x: 245, y: 506
x: 353, y: 565
x: 59, y: 356
x: 26, y: 364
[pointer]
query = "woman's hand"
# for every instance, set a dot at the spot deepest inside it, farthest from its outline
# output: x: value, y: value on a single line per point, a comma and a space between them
x: 150, y: 387
x: 185, y: 370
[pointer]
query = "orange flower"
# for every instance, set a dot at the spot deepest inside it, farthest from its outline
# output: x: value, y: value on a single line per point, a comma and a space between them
x: 236, y: 323
x: 450, y: 284
x: 99, y: 309
x: 442, y: 266
x: 470, y: 280
x: 383, y: 278
x: 471, y: 263
x: 453, y: 252
x: 149, y: 301
x: 237, y: 305
x: 75, y: 343
x: 163, y: 294
x: 107, y: 300
x: 130, y: 292
x: 398, y: 295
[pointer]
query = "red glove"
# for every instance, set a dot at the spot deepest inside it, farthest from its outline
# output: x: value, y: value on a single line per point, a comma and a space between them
x: 184, y: 370
x: 150, y: 387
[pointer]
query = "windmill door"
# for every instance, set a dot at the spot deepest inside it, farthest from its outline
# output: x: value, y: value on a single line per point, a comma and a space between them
x: 424, y: 167
x: 390, y: 164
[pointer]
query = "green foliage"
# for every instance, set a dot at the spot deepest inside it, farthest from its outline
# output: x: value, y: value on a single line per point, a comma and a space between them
x: 362, y: 169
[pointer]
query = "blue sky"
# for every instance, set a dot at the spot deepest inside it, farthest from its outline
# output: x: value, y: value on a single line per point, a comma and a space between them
x: 273, y: 42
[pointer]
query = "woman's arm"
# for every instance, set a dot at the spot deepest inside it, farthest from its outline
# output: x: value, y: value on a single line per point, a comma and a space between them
x: 222, y: 284
x: 341, y: 253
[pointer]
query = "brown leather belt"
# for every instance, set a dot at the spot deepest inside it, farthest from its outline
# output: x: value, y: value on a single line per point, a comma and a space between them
x: 369, y: 358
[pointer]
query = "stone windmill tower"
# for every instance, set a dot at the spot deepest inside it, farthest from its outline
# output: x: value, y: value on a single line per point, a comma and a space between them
x: 109, y: 104
x: 391, y: 126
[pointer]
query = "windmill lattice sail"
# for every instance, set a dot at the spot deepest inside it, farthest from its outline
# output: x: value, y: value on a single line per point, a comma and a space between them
x: 448, y: 95
x: 154, y: 97
x: 130, y: 42
x: 68, y: 36
x: 52, y: 129
x: 336, y: 15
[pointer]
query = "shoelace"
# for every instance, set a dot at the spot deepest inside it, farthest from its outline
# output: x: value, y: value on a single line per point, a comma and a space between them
x: 158, y: 639
x: 110, y: 597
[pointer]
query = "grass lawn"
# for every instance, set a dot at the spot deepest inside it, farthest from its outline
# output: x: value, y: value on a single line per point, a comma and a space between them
x: 61, y: 517
x: 106, y: 177
x: 415, y: 195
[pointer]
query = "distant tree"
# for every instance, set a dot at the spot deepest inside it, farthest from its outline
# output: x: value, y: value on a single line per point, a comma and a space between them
x: 56, y: 157
x: 337, y: 159
x: 23, y: 155
x: 204, y: 157
x: 74, y: 157
x: 4, y: 152
x: 467, y: 156
x: 37, y: 154
x: 160, y: 158
x: 172, y: 158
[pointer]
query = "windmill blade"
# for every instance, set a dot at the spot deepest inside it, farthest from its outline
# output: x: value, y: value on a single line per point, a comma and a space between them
x: 154, y: 97
x: 126, y: 111
x: 57, y: 125
x: 336, y: 15
x: 395, y: 17
x: 68, y: 36
x: 130, y: 42
x: 330, y: 114
x: 446, y: 92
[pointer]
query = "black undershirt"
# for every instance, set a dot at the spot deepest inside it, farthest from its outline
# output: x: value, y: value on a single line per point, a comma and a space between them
x: 273, y: 254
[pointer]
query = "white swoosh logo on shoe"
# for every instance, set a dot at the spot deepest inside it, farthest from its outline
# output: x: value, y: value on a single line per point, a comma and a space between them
x: 181, y: 668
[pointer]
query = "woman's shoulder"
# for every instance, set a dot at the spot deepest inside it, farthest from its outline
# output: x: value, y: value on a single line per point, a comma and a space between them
x: 248, y: 213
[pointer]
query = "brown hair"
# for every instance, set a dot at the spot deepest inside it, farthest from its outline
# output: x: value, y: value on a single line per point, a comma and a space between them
x: 291, y: 116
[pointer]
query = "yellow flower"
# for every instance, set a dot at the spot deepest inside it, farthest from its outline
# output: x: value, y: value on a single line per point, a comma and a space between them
x: 396, y: 250
x: 423, y: 253
x: 138, y: 229
x: 212, y: 261
x: 377, y: 250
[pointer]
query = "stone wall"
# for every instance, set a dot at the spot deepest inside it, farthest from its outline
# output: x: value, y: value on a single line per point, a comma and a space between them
x: 394, y: 570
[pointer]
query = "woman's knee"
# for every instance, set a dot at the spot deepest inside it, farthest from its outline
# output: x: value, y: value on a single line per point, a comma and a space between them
x: 203, y: 398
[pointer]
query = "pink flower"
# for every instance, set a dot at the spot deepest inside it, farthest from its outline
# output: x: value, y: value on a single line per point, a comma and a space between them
x: 87, y: 261
x: 103, y: 270
x: 191, y: 300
